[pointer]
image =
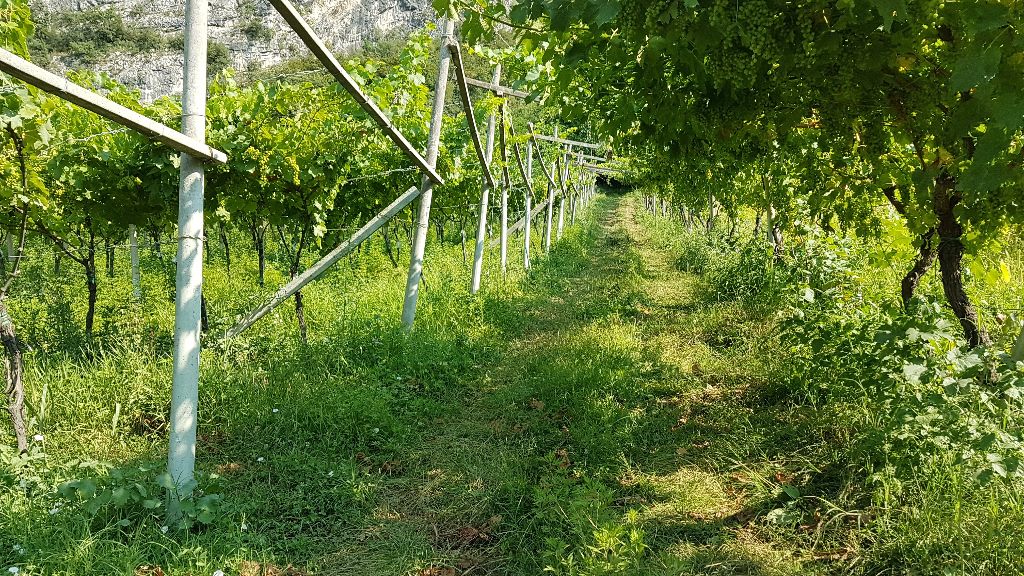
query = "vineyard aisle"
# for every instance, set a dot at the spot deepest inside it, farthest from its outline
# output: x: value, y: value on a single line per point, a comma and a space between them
x: 613, y: 427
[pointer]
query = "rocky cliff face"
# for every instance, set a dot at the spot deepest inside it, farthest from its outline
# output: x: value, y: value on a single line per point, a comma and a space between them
x: 253, y: 32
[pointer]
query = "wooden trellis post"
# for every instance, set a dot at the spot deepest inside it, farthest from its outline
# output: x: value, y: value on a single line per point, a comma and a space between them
x: 419, y: 242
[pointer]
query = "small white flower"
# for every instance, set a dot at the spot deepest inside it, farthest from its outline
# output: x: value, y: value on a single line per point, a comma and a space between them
x: 330, y: 474
x: 218, y: 573
x: 54, y: 510
x: 275, y: 411
x: 38, y: 437
x: 244, y: 526
x: 260, y: 459
x: 163, y: 529
x: 375, y: 430
x: 14, y: 569
x: 18, y: 548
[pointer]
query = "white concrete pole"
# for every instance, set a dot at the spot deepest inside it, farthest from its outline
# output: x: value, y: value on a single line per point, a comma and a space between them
x: 527, y: 233
x: 419, y: 243
x: 481, y: 231
x: 551, y: 205
x: 181, y: 457
x: 133, y: 246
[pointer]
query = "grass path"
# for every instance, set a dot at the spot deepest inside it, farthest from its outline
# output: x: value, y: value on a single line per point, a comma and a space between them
x: 610, y: 431
x: 604, y: 414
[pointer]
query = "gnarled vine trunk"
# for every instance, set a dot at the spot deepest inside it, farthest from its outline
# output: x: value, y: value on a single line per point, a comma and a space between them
x: 223, y: 234
x: 926, y: 254
x: 15, y: 385
x: 950, y: 255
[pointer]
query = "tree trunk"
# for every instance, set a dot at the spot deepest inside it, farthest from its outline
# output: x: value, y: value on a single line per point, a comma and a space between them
x: 223, y: 234
x: 108, y: 249
x: 951, y: 252
x: 157, y: 246
x: 300, y: 314
x: 925, y: 259
x: 777, y: 241
x: 15, y: 388
x: 465, y: 253
x: 8, y: 250
x: 757, y: 225
x: 387, y: 247
x: 93, y: 286
x: 204, y: 318
x: 774, y: 233
x: 90, y: 279
x: 259, y: 242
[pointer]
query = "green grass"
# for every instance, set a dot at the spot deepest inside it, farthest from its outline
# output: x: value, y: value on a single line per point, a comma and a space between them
x: 605, y: 413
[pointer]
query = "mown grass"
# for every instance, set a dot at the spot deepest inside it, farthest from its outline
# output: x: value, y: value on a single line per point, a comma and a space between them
x: 605, y: 413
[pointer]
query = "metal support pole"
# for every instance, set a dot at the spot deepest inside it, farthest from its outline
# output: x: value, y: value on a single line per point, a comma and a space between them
x: 419, y: 244
x: 181, y: 456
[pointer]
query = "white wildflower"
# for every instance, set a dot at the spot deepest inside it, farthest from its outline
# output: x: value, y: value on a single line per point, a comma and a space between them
x: 244, y: 526
x: 218, y: 573
x: 375, y: 430
x: 38, y: 437
x: 163, y: 529
x: 14, y: 569
x: 274, y: 410
x: 54, y: 510
x: 260, y: 459
x: 18, y: 549
x: 330, y: 474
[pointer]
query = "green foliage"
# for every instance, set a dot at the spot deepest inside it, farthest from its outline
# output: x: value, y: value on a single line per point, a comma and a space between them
x: 126, y: 498
x: 89, y: 35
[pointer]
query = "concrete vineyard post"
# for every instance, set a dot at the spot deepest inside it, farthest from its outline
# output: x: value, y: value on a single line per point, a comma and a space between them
x: 419, y: 242
x: 481, y: 231
x: 181, y: 457
x: 551, y: 205
x: 529, y: 200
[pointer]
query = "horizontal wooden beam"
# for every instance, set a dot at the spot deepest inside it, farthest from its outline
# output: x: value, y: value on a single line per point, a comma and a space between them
x: 314, y: 271
x: 320, y: 50
x: 567, y: 142
x: 65, y: 89
x: 499, y: 90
